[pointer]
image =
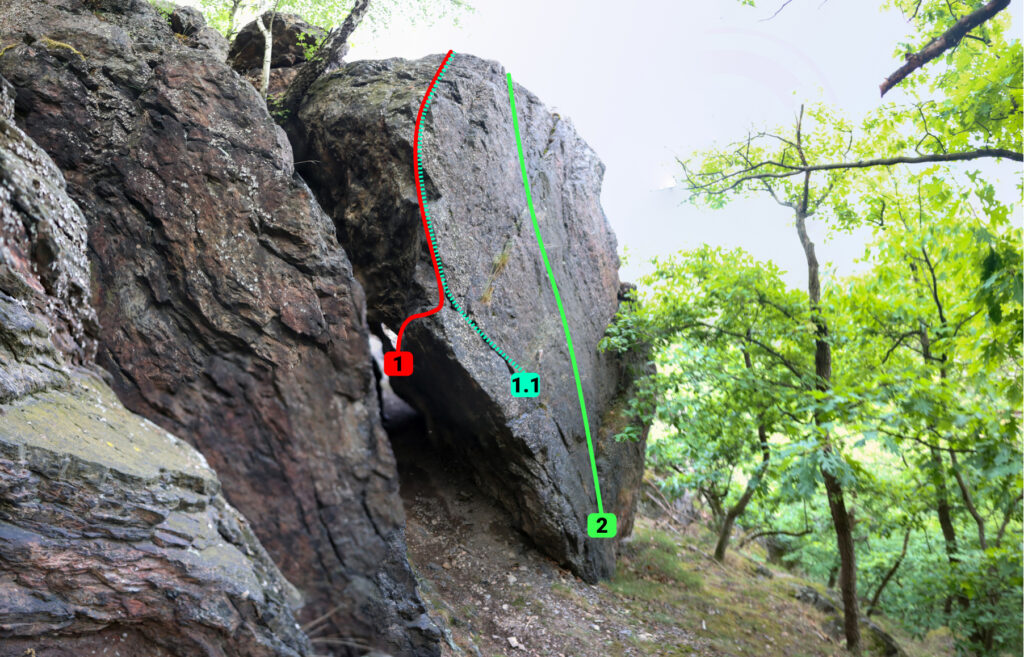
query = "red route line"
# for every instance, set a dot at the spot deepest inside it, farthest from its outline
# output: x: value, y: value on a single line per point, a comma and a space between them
x: 423, y: 211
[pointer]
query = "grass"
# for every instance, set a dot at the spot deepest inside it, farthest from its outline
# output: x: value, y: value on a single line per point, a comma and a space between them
x: 497, y: 266
x: 653, y: 555
x: 667, y: 579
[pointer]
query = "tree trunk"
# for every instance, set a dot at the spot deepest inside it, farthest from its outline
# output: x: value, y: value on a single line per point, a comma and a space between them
x: 736, y: 510
x: 942, y: 507
x: 714, y: 504
x: 889, y: 575
x: 232, y: 17
x: 268, y: 49
x: 833, y: 488
x: 327, y: 58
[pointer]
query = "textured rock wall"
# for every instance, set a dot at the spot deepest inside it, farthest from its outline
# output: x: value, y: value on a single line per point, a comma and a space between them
x: 357, y: 125
x: 113, y: 533
x: 42, y: 247
x: 230, y: 315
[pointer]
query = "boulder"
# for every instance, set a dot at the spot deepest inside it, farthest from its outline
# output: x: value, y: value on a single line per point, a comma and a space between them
x: 293, y: 38
x: 876, y: 638
x: 113, y: 533
x: 230, y: 316
x: 190, y: 26
x: 356, y: 129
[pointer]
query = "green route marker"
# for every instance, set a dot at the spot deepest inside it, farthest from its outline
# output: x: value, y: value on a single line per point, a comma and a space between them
x: 600, y: 524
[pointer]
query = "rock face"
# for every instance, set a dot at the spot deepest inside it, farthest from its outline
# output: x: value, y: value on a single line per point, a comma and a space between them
x: 878, y: 640
x: 530, y: 454
x: 230, y: 314
x: 113, y: 533
x: 44, y: 273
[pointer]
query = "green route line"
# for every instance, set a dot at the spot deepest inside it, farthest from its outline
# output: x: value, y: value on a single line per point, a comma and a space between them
x: 558, y: 298
x: 440, y: 266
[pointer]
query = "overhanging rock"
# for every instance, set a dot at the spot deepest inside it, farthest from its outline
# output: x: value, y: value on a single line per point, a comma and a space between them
x: 356, y: 126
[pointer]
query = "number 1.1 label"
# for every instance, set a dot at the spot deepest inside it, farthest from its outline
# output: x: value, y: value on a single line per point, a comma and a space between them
x: 525, y: 384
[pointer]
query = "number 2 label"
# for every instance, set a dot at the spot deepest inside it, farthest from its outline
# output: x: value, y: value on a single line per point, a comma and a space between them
x: 601, y: 525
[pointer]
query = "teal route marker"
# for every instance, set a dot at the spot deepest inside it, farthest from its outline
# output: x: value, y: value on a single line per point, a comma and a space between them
x: 600, y: 524
x: 517, y: 385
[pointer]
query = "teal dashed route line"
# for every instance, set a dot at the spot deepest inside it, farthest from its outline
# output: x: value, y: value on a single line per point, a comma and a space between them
x: 440, y: 267
x: 558, y: 298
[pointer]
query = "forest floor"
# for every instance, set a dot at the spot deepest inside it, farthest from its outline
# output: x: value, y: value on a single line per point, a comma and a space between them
x: 495, y: 595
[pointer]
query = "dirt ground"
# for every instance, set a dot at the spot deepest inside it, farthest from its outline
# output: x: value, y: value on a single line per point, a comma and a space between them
x: 494, y: 595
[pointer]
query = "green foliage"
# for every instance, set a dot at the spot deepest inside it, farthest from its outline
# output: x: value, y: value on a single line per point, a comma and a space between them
x: 311, y: 46
x: 924, y: 403
x: 165, y: 7
x: 226, y: 15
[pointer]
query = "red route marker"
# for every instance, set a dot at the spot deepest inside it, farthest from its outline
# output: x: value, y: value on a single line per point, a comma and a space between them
x: 398, y: 363
x: 423, y: 216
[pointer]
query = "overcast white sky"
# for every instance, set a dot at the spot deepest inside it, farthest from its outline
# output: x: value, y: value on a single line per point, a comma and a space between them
x: 647, y: 80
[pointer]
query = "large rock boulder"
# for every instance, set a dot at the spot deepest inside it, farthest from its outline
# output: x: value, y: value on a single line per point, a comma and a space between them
x: 293, y: 38
x: 113, y: 533
x: 190, y: 26
x: 292, y: 41
x: 357, y: 126
x: 230, y: 314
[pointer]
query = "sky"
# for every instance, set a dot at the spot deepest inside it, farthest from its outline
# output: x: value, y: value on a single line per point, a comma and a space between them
x: 648, y: 81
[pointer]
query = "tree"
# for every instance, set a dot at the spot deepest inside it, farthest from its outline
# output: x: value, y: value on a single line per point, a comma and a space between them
x: 224, y: 14
x: 731, y: 372
x: 955, y: 28
x: 944, y: 389
x: 327, y: 58
x: 266, y: 26
x: 763, y: 162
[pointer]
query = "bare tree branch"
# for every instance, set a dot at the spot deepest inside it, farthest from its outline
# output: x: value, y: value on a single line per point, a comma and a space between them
x: 327, y: 58
x: 965, y: 493
x: 944, y: 42
x: 888, y: 575
x: 744, y: 175
x: 777, y: 11
x: 773, y: 532
x: 1010, y: 508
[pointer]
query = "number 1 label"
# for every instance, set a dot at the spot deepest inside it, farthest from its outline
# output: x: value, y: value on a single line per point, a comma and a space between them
x: 398, y: 363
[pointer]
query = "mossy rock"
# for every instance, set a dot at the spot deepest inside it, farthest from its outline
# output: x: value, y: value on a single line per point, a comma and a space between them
x: 83, y: 429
